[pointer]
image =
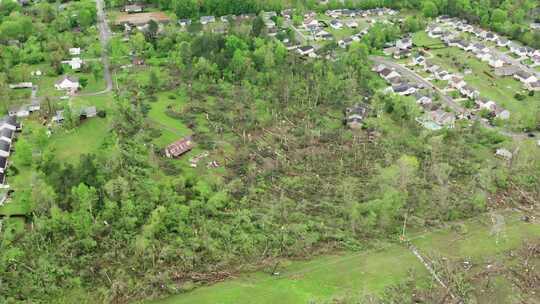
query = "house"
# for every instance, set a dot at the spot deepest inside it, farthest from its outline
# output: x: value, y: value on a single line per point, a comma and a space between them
x: 75, y: 51
x: 352, y: 24
x: 75, y: 63
x: 355, y: 115
x: 484, y: 56
x: 336, y: 24
x: 306, y: 50
x: 207, y: 19
x: 133, y: 8
x: 404, y: 43
x: 418, y: 60
x: 430, y: 67
x: 443, y: 75
x: 502, y: 42
x: 525, y: 77
x: 457, y: 82
x: 179, y: 147
x: 67, y: 83
x: 533, y: 86
x: 184, y: 22
x: 490, y: 36
x: 3, y: 164
x: 535, y: 26
x: 522, y: 51
x: 310, y: 24
x: 506, y: 70
x: 287, y: 13
x: 88, y: 112
x: 5, y: 148
x: 423, y: 100
x: 10, y: 122
x: 387, y: 73
x: 343, y: 43
x: 479, y: 48
x: 400, y: 54
x: 378, y: 68
x: 469, y: 92
x: 7, y: 135
x: 19, y: 111
x: 269, y: 23
x: 435, y: 32
x: 323, y: 35
x: 503, y: 153
x: 436, y: 120
x: 403, y: 89
x: 141, y: 19
x: 496, y: 62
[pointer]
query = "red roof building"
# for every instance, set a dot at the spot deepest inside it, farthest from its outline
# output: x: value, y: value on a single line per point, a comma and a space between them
x: 178, y: 148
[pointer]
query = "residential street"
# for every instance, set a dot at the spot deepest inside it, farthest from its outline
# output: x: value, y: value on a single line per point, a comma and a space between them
x: 445, y: 98
x: 104, y: 37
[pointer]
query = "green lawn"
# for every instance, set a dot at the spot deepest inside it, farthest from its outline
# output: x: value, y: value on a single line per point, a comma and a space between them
x: 87, y: 138
x: 367, y: 272
x: 172, y: 128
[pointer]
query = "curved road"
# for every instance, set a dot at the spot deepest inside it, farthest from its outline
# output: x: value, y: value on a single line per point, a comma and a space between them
x: 445, y: 98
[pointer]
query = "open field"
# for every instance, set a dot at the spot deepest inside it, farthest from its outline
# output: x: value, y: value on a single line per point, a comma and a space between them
x: 361, y: 273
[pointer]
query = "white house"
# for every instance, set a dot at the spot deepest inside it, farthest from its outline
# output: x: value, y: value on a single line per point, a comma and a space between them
x: 67, y: 83
x: 20, y: 111
x: 336, y: 24
x: 405, y: 43
x: 533, y: 86
x: 75, y: 63
x: 496, y: 62
x: 525, y: 77
x: 352, y: 24
x: 75, y: 51
x: 207, y: 19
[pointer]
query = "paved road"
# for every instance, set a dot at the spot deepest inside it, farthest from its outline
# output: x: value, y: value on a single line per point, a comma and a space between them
x: 419, y: 79
x: 104, y: 37
x: 445, y: 98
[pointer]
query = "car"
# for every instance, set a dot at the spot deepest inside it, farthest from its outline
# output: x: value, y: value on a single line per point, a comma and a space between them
x: 531, y: 135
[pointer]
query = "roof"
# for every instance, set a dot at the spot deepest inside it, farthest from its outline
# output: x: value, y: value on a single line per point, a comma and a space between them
x: 401, y: 88
x: 4, y: 146
x: 179, y: 147
x: 8, y: 133
x: 305, y: 48
x: 3, y: 162
x: 67, y: 77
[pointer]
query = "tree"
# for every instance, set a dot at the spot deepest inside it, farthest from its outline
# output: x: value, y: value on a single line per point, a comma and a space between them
x: 258, y: 26
x: 429, y: 9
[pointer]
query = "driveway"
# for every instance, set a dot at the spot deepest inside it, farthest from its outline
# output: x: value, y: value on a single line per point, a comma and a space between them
x: 104, y: 37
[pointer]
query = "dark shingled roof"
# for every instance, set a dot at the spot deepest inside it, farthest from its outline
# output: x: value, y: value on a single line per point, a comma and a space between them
x: 4, y: 146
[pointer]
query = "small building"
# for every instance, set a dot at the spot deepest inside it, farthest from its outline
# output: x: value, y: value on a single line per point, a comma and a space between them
x: 19, y: 111
x: 525, y: 77
x: 7, y: 135
x: 5, y: 148
x: 75, y: 51
x: 179, y: 147
x: 75, y: 63
x: 354, y: 116
x: 21, y: 85
x: 506, y: 70
x: 336, y: 24
x: 133, y: 8
x: 404, y: 43
x: 504, y: 154
x: 306, y: 50
x: 3, y: 164
x: 533, y: 86
x: 184, y: 22
x: 67, y: 83
x: 403, y: 89
x: 352, y: 23
x: 88, y: 112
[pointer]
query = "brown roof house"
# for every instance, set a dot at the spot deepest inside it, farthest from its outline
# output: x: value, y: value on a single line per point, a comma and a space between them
x: 179, y: 147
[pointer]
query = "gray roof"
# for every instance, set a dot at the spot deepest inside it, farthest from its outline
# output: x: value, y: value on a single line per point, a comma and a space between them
x: 4, y: 146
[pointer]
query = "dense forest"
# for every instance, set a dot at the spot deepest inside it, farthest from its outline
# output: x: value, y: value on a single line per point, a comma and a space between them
x: 127, y: 224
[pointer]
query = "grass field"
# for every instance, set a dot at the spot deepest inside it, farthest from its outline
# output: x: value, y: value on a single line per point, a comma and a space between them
x: 361, y: 273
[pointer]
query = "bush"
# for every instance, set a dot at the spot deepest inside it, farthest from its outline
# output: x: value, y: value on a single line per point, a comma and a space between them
x: 102, y: 114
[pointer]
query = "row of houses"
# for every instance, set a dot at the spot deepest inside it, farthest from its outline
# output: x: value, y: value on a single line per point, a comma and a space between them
x: 502, y: 65
x: 459, y: 84
x: 8, y: 129
x: 344, y: 13
x: 345, y: 42
x: 434, y: 118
